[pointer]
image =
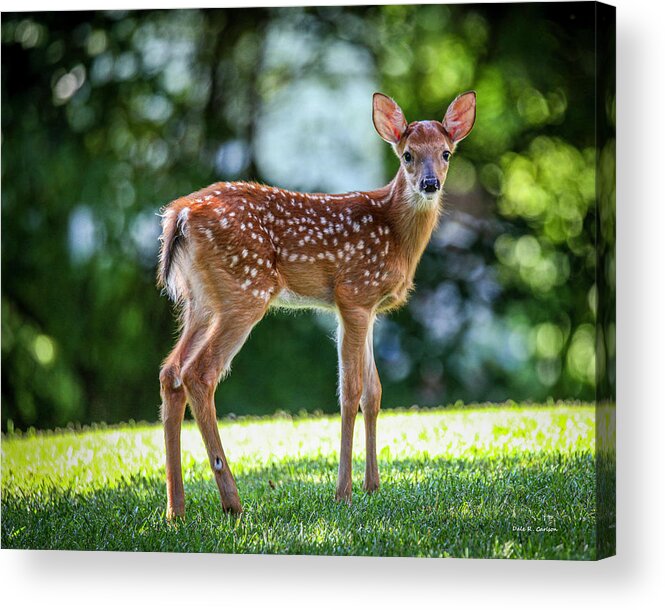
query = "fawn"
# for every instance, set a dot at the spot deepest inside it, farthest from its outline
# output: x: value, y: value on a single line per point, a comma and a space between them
x: 232, y: 250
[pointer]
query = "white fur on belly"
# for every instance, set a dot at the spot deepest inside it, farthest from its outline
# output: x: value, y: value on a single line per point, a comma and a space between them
x: 287, y: 299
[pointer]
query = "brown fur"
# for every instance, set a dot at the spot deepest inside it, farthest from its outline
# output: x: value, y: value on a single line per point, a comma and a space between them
x: 232, y: 250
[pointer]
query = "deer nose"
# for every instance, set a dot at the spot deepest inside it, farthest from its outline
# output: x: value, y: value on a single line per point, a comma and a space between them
x: 430, y: 184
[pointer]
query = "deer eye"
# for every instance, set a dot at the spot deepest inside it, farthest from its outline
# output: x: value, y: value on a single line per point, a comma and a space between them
x: 407, y: 157
x: 446, y: 155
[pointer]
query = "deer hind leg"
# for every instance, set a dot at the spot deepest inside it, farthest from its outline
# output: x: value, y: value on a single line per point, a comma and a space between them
x: 172, y: 412
x: 370, y: 403
x: 352, y: 334
x: 201, y: 374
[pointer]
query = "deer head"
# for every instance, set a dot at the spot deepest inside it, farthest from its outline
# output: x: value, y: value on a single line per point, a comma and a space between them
x: 424, y: 147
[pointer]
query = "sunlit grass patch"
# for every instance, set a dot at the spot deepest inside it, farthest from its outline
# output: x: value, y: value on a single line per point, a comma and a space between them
x: 466, y: 482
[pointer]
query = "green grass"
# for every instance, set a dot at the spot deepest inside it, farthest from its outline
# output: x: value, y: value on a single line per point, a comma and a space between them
x: 455, y: 482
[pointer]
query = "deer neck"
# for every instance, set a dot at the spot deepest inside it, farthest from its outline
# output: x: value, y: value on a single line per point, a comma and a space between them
x: 413, y: 219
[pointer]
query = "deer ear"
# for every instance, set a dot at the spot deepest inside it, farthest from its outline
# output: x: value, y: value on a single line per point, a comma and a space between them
x: 460, y: 116
x: 388, y: 118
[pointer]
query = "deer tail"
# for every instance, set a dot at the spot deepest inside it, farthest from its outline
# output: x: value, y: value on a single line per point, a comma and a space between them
x: 173, y: 239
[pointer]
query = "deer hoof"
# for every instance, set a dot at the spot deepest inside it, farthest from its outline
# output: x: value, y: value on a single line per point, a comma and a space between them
x: 343, y: 496
x: 232, y: 506
x: 175, y: 512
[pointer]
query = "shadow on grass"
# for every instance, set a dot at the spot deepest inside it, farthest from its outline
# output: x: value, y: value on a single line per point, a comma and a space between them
x: 518, y: 506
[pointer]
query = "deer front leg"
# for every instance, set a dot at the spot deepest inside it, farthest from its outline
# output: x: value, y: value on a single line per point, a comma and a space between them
x: 352, y: 332
x: 370, y: 403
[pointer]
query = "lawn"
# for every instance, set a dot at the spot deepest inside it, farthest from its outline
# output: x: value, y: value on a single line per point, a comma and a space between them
x: 509, y: 481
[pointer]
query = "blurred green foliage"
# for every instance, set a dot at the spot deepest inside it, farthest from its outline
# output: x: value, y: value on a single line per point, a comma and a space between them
x: 107, y: 116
